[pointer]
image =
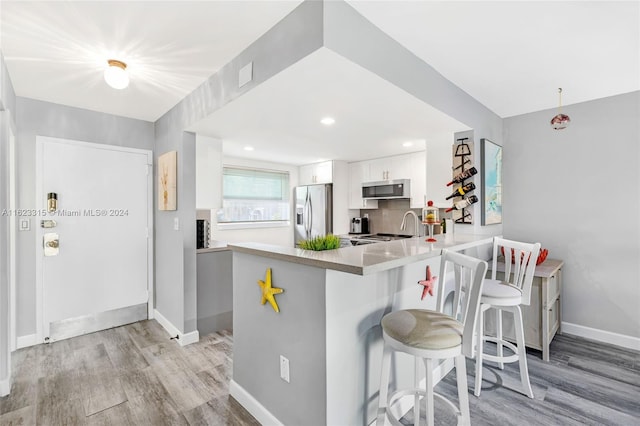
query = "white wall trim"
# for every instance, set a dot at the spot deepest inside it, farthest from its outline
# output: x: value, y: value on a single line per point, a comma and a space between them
x: 26, y: 341
x: 5, y: 387
x: 252, y: 405
x: 183, y: 339
x: 617, y: 339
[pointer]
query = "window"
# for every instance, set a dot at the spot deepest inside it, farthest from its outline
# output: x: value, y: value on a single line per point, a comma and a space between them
x: 253, y: 195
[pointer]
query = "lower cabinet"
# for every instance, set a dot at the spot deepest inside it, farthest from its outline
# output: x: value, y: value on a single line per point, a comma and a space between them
x: 542, y: 317
x: 214, y: 291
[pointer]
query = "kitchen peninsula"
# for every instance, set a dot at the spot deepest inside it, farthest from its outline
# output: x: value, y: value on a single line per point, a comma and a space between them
x: 328, y: 325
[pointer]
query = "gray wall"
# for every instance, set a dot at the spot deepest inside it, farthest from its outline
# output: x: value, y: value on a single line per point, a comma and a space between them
x: 297, y: 332
x: 577, y: 191
x: 297, y: 35
x: 37, y: 118
x: 7, y: 123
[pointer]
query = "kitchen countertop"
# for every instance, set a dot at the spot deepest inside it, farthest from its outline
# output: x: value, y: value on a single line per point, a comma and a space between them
x: 367, y: 259
x: 214, y: 246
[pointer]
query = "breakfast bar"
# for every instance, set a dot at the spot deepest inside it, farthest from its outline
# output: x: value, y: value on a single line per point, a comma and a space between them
x: 319, y: 344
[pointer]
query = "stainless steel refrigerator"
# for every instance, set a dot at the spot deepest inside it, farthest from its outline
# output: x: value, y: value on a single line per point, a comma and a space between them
x: 314, y: 211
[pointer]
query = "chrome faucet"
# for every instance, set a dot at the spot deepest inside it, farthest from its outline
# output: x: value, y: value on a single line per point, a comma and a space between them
x: 404, y: 222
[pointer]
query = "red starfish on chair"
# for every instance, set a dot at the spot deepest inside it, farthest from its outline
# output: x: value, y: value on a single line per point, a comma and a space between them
x: 428, y: 284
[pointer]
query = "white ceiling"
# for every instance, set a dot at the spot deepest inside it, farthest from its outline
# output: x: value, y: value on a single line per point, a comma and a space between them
x: 510, y: 55
x: 281, y: 117
x: 57, y: 51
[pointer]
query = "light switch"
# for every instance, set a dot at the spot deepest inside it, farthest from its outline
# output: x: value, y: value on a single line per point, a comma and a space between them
x: 176, y: 224
x: 25, y: 224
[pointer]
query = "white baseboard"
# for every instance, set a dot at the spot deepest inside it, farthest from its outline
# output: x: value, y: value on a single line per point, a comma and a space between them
x: 623, y: 340
x: 5, y: 387
x: 183, y: 339
x: 26, y: 341
x: 252, y: 405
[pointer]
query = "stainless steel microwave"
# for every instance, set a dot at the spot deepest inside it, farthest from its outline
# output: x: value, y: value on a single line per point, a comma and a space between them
x: 386, y: 189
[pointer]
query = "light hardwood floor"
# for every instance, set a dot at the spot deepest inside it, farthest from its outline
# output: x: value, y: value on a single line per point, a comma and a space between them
x: 130, y: 375
x: 135, y: 375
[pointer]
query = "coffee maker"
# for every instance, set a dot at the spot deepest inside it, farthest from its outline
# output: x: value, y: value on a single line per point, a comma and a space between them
x: 359, y: 225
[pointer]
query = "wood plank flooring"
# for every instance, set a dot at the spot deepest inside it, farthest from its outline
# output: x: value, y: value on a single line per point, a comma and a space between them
x: 135, y: 375
x: 584, y: 383
x: 130, y: 375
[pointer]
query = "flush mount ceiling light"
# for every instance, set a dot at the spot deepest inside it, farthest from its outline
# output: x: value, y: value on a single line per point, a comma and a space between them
x: 328, y: 121
x: 407, y: 144
x: 248, y: 148
x: 116, y: 74
x: 560, y: 121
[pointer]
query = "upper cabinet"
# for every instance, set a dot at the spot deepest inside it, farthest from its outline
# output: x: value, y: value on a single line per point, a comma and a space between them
x: 407, y: 166
x: 389, y: 168
x: 359, y: 172
x: 316, y: 173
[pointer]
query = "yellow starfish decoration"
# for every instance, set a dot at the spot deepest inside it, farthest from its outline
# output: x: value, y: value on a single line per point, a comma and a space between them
x: 268, y: 292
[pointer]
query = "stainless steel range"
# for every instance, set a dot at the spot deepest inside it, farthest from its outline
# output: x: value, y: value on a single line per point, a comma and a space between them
x: 377, y: 238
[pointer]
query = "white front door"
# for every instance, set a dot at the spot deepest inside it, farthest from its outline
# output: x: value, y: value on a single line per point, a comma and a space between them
x: 96, y: 272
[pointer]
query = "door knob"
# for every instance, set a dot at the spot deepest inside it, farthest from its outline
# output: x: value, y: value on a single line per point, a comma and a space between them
x: 51, y: 243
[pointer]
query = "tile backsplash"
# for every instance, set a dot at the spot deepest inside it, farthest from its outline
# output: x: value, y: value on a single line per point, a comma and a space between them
x: 388, y: 217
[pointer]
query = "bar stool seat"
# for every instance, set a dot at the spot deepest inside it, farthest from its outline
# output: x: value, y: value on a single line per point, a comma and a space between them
x: 433, y: 335
x: 499, y: 293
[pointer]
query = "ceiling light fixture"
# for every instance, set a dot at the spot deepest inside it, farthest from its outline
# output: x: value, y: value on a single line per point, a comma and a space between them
x: 328, y: 121
x: 407, y: 144
x: 248, y: 148
x: 560, y: 121
x: 116, y: 74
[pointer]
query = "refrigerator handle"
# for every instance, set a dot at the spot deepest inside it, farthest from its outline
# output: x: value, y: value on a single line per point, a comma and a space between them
x: 305, y: 216
x: 310, y: 217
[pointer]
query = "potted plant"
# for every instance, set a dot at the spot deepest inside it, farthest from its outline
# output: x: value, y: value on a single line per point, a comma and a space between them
x: 322, y: 242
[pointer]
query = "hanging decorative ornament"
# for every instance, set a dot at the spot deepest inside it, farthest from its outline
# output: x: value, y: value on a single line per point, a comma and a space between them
x: 560, y: 121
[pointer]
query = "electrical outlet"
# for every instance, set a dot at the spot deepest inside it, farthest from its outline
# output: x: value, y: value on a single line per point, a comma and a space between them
x: 284, y: 368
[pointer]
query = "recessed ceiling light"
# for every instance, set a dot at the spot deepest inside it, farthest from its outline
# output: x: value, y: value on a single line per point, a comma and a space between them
x: 328, y: 121
x: 116, y: 74
x: 407, y: 144
x: 248, y: 148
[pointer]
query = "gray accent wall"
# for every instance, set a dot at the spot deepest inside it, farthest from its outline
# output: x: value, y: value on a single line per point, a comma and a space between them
x: 297, y: 332
x: 38, y: 118
x: 293, y: 38
x: 577, y: 191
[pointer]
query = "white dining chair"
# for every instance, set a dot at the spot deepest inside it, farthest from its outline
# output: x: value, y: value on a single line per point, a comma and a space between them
x: 433, y: 335
x: 507, y: 294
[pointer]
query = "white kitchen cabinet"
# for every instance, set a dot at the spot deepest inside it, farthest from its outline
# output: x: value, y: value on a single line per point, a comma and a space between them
x: 418, y: 175
x: 406, y: 166
x: 390, y: 168
x: 358, y: 173
x: 316, y: 173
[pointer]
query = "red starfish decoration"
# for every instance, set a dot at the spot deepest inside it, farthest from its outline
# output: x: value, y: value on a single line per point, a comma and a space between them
x: 428, y: 284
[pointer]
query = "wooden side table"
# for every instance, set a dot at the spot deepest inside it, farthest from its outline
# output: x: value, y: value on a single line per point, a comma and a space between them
x: 542, y: 318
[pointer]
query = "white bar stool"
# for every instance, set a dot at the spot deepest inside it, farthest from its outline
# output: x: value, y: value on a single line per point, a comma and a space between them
x: 507, y: 295
x: 432, y: 335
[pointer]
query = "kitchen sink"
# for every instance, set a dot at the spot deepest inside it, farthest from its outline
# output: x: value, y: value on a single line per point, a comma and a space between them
x: 377, y: 238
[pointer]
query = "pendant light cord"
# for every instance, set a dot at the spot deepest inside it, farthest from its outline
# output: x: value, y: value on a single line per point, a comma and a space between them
x: 560, y: 99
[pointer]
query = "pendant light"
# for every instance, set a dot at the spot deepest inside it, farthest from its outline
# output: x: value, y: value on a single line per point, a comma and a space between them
x: 560, y: 121
x: 116, y: 74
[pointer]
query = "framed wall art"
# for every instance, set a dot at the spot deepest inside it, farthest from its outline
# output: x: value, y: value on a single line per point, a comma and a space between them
x: 167, y: 167
x: 491, y: 181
